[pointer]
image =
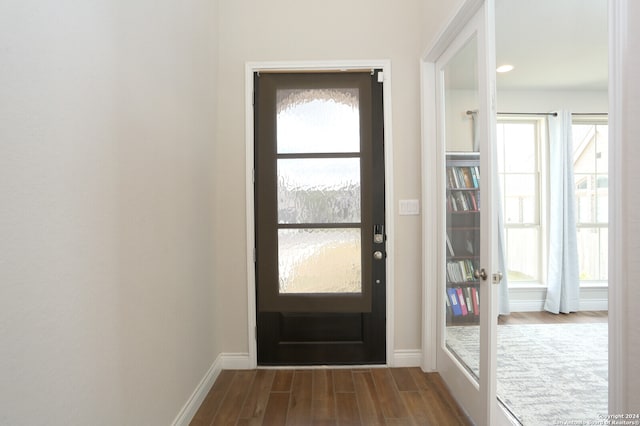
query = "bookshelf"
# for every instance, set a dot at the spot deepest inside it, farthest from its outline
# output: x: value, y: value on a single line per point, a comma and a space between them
x: 462, y: 238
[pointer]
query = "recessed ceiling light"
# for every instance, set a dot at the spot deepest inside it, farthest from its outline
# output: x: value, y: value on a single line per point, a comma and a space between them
x: 504, y: 68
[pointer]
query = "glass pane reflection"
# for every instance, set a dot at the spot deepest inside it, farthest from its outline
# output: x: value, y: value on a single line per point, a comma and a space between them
x: 462, y: 292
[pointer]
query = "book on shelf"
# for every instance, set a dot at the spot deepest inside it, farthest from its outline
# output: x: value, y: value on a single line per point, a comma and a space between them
x: 463, y: 305
x: 463, y: 177
x: 453, y: 298
x: 463, y: 301
x: 466, y: 176
x: 449, y: 246
x: 462, y: 201
x: 476, y: 300
x: 459, y: 271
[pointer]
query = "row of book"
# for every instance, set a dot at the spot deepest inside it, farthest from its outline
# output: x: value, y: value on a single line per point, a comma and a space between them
x: 459, y: 271
x: 463, y: 177
x: 463, y: 201
x: 463, y: 301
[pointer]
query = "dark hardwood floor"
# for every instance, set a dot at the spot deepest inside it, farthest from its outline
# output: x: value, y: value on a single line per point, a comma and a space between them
x: 549, y: 318
x: 370, y: 396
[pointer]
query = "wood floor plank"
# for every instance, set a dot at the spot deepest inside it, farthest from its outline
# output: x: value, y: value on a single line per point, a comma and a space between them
x: 441, y: 392
x: 419, y: 377
x: 347, y: 409
x: 325, y: 422
x: 342, y: 381
x: 438, y: 410
x: 256, y: 402
x: 232, y: 404
x: 437, y: 398
x: 368, y: 402
x: 404, y: 380
x: 323, y: 405
x: 209, y: 407
x: 420, y: 412
x: 282, y: 381
x: 309, y: 397
x: 300, y: 401
x: 276, y: 412
x: 407, y: 421
x: 390, y: 400
x: 548, y: 318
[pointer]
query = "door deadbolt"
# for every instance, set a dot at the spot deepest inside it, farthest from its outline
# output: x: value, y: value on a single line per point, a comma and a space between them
x: 378, y: 234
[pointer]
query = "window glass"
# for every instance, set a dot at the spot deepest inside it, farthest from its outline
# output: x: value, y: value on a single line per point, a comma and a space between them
x: 518, y: 145
x: 590, y: 165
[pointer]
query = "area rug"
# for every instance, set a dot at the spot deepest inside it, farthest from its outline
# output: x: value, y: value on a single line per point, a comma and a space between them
x: 547, y: 373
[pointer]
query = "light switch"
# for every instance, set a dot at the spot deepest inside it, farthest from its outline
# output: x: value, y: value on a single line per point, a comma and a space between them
x: 409, y: 207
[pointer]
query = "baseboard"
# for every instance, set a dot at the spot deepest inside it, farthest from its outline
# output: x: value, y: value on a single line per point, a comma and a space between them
x: 235, y: 361
x: 407, y: 358
x: 195, y: 400
x: 224, y: 361
x: 532, y: 299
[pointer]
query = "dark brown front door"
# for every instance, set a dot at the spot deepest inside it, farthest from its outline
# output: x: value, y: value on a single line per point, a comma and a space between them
x: 319, y: 209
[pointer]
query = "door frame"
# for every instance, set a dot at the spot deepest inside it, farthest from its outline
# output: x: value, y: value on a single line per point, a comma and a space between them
x: 308, y: 66
x: 618, y: 283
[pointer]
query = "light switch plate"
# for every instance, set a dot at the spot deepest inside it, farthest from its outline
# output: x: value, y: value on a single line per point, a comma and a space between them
x: 409, y: 207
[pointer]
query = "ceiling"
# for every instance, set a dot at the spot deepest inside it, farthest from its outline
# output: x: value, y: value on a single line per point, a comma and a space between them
x: 553, y: 44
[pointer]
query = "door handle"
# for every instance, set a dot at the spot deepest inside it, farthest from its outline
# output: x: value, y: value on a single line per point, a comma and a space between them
x: 480, y: 273
x: 378, y: 255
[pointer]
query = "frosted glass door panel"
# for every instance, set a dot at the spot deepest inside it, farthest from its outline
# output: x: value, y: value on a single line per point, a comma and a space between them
x: 319, y: 190
x: 319, y: 261
x: 318, y: 121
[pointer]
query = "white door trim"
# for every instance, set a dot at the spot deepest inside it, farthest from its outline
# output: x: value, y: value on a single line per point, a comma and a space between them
x: 618, y: 329
x: 250, y: 69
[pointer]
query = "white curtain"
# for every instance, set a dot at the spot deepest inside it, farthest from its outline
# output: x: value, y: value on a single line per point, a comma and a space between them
x: 503, y: 287
x: 563, y: 282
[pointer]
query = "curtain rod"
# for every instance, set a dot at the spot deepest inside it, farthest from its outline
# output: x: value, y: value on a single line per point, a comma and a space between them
x: 554, y: 114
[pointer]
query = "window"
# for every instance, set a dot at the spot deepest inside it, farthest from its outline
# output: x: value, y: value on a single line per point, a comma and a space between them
x: 519, y: 152
x: 590, y: 168
x: 521, y: 149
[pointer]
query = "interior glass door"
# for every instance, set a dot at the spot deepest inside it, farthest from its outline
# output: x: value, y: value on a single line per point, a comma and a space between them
x: 467, y: 324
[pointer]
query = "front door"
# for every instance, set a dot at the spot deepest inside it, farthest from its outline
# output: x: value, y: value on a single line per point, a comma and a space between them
x: 320, y: 220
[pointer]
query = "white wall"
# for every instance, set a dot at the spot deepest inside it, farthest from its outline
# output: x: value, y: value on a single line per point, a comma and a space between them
x: 518, y: 101
x: 552, y: 100
x: 106, y: 221
x: 282, y: 30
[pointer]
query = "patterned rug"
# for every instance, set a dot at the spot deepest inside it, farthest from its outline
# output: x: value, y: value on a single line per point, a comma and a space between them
x: 547, y: 373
